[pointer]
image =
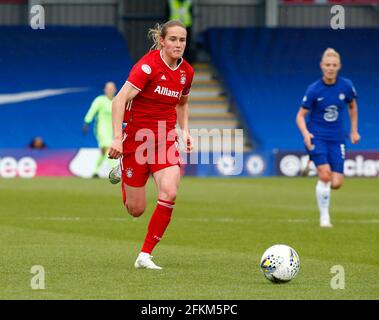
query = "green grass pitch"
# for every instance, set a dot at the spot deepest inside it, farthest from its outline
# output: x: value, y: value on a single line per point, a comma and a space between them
x: 78, y: 231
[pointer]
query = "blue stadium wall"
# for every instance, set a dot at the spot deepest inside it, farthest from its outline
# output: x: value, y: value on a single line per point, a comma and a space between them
x: 75, y: 60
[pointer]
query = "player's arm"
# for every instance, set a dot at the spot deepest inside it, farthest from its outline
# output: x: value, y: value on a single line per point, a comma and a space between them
x: 182, y: 115
x: 127, y: 93
x: 92, y: 111
x: 353, y: 114
x: 302, y: 125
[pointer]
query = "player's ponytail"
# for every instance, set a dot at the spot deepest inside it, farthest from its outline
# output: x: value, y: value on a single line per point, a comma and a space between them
x: 155, y: 34
x: 330, y: 52
x: 160, y: 30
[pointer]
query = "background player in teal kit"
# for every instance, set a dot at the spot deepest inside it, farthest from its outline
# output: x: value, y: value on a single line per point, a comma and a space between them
x: 324, y: 133
x: 101, y: 110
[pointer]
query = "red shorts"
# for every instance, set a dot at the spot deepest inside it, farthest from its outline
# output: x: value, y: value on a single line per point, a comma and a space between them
x: 141, y: 158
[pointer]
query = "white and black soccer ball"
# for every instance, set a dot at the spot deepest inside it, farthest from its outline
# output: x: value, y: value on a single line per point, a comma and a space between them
x: 280, y: 263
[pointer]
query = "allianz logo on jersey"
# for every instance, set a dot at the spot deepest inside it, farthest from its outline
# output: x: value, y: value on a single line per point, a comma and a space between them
x: 167, y: 92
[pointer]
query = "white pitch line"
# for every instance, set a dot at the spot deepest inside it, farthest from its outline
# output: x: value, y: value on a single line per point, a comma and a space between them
x: 362, y: 221
x: 202, y: 220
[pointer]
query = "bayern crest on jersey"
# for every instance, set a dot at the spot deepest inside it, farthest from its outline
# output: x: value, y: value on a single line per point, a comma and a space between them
x: 183, y: 79
x: 129, y: 172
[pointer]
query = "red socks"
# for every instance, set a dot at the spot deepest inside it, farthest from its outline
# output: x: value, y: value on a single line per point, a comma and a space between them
x: 158, y: 224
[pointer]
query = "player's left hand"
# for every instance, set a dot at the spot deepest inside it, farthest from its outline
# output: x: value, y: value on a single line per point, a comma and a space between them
x: 354, y: 137
x: 188, y: 142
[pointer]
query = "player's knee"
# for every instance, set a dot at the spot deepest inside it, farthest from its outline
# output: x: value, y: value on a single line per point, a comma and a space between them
x: 168, y: 195
x: 135, y: 211
x: 336, y: 185
x: 325, y: 176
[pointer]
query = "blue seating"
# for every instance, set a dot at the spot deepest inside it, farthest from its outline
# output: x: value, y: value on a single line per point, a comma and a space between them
x: 82, y: 58
x: 266, y: 71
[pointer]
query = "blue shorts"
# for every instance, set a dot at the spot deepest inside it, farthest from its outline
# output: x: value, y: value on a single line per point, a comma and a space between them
x: 328, y: 152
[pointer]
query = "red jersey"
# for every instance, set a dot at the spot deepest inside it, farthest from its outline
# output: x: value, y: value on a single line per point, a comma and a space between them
x: 160, y: 89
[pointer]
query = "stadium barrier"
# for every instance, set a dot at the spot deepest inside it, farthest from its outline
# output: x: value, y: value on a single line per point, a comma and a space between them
x: 29, y: 163
x: 357, y: 164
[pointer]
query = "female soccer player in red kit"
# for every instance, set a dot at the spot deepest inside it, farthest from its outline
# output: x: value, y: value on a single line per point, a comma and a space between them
x: 152, y: 100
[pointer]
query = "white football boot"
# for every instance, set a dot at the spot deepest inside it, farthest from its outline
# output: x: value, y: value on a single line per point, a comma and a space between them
x: 325, y: 222
x: 115, y: 175
x: 144, y: 261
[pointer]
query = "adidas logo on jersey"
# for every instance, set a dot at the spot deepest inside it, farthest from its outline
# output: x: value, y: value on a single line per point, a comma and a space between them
x: 166, y: 92
x: 163, y: 77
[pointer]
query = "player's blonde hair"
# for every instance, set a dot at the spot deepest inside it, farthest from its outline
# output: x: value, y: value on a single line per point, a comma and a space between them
x: 330, y: 52
x: 160, y: 31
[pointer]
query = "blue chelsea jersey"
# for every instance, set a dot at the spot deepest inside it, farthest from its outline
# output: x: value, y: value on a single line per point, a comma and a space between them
x: 327, y: 104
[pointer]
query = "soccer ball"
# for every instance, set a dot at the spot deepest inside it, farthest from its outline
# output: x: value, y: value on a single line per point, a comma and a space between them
x: 280, y: 263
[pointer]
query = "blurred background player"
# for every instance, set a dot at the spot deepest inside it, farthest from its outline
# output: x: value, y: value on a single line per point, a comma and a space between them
x: 156, y: 95
x: 37, y: 143
x: 101, y: 110
x: 182, y: 10
x: 324, y: 134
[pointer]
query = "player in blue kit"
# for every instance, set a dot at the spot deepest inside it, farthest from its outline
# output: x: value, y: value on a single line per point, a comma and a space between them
x: 324, y: 133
